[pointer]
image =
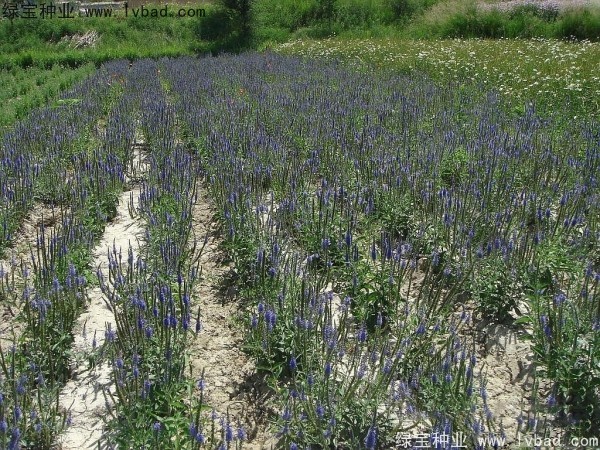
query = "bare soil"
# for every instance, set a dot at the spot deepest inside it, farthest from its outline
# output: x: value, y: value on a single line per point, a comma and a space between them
x: 84, y: 396
x: 233, y: 388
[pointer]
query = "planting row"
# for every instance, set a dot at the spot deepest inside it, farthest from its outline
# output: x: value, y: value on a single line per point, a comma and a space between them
x: 74, y: 162
x: 150, y: 400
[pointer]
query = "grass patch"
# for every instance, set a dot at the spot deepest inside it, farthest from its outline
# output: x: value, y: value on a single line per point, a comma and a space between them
x: 47, y: 42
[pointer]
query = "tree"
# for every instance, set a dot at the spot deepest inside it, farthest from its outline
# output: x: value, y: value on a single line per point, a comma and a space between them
x: 243, y: 11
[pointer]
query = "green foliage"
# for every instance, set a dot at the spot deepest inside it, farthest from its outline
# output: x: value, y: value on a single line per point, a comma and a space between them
x: 242, y: 7
x: 375, y: 299
x: 325, y: 11
x: 288, y: 15
x: 401, y: 8
x: 494, y: 289
x: 346, y: 424
x: 238, y: 24
x: 454, y: 167
x: 357, y: 14
x: 566, y: 343
x: 450, y: 386
x: 163, y: 404
x: 38, y: 43
x: 549, y: 13
x: 217, y: 26
x: 25, y: 89
x: 39, y: 414
x: 151, y: 411
x: 97, y: 211
x: 554, y: 260
x: 267, y: 37
x: 319, y: 18
x: 527, y: 21
x: 48, y: 191
x: 272, y: 341
x: 228, y: 25
x: 579, y: 24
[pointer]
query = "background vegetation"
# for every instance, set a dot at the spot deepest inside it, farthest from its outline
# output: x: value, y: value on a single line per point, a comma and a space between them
x: 238, y: 24
x: 23, y: 90
x: 46, y: 42
x: 279, y: 20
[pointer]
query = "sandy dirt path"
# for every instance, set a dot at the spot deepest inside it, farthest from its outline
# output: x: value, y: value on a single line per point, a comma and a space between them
x: 233, y: 387
x: 83, y: 396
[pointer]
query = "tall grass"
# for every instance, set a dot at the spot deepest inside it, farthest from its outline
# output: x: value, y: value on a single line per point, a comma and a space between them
x: 467, y: 19
x: 276, y: 21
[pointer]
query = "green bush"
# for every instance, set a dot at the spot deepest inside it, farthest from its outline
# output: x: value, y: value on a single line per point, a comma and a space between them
x: 467, y: 20
x: 545, y: 13
x: 315, y: 19
x: 401, y: 8
x: 405, y: 9
x: 579, y: 24
x: 526, y: 26
x: 218, y: 25
x: 493, y: 24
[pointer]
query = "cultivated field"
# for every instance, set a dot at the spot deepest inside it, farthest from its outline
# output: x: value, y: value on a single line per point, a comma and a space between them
x: 279, y: 251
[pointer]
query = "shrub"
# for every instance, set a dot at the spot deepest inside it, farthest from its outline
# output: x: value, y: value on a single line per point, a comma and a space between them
x: 579, y: 24
x: 218, y: 25
x: 401, y: 8
x: 547, y: 12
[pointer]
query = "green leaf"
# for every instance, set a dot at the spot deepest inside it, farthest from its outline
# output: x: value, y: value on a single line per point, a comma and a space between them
x: 523, y: 320
x: 66, y: 102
